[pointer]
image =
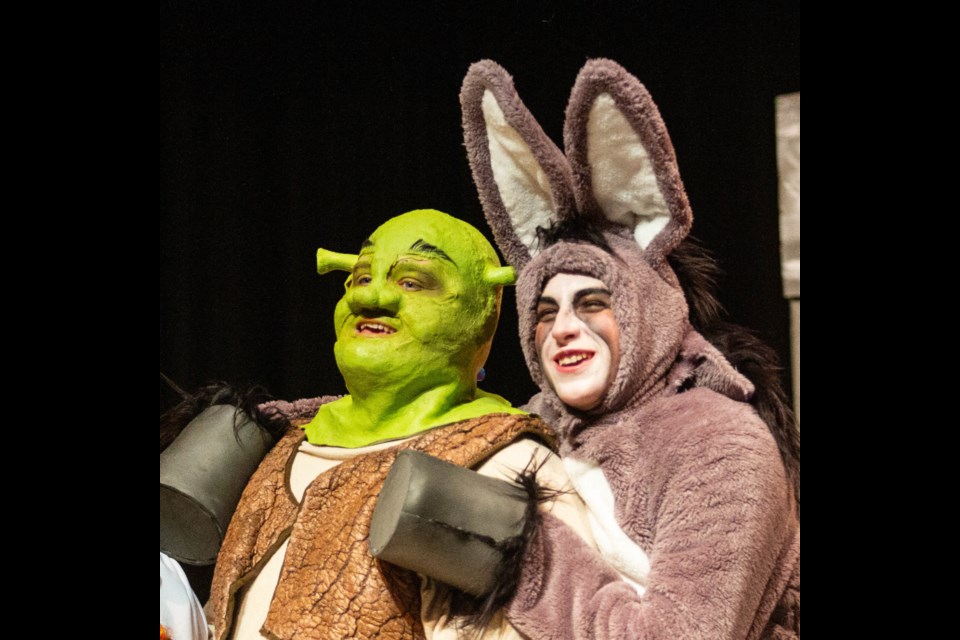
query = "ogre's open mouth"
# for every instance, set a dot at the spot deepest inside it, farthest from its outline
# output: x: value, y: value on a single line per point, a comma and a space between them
x: 372, y: 328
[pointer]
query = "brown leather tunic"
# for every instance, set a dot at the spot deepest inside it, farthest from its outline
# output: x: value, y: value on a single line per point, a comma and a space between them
x: 330, y: 586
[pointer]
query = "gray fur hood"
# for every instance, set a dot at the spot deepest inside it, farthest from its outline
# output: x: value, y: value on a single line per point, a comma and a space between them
x: 660, y: 353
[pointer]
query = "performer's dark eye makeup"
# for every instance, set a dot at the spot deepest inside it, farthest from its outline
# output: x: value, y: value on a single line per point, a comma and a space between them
x: 547, y: 309
x: 592, y: 300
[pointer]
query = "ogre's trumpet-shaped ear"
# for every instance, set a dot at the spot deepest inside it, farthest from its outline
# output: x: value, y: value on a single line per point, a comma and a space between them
x: 523, y: 180
x: 500, y: 276
x: 623, y: 162
x: 328, y: 261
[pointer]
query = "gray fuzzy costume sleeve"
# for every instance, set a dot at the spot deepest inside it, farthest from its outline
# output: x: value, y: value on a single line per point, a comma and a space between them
x: 716, y: 516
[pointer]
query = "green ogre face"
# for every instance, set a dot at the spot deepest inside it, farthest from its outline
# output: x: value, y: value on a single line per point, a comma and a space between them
x: 416, y: 309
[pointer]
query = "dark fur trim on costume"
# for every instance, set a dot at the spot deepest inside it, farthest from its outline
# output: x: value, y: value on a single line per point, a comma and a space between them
x: 176, y: 419
x: 477, y: 613
x: 698, y: 273
x: 759, y: 363
x: 585, y: 231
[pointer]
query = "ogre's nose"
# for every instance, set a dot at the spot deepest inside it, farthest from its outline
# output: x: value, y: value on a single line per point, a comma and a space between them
x: 373, y: 296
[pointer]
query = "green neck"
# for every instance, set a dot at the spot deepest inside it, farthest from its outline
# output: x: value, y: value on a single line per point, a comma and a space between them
x: 351, y: 424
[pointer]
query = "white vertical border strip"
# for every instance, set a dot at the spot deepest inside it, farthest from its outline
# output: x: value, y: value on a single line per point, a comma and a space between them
x: 788, y: 167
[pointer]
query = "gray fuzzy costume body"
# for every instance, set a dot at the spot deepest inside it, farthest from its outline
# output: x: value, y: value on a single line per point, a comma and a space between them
x: 697, y: 481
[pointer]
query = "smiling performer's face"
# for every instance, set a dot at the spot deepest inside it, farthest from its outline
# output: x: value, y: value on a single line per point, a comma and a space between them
x: 416, y: 307
x: 577, y: 339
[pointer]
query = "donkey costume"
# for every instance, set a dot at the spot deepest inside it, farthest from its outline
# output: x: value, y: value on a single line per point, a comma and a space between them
x: 689, y: 499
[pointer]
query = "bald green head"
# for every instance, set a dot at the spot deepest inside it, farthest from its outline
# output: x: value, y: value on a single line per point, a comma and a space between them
x: 414, y: 326
x: 421, y: 303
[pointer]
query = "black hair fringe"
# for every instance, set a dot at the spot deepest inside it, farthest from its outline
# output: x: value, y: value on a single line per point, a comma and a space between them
x: 173, y: 421
x: 583, y: 231
x: 476, y: 613
x: 698, y: 272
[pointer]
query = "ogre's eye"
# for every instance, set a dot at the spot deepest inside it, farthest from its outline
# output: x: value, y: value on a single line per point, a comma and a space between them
x: 361, y: 274
x: 418, y: 274
x: 408, y: 284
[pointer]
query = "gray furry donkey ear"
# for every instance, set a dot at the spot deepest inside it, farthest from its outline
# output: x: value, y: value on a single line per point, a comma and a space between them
x: 624, y: 166
x: 620, y: 169
x: 522, y: 177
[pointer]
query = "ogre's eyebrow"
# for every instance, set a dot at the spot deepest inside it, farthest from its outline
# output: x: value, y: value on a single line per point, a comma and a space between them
x: 425, y: 247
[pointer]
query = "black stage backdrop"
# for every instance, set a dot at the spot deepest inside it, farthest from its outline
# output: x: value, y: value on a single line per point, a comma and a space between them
x: 287, y: 129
